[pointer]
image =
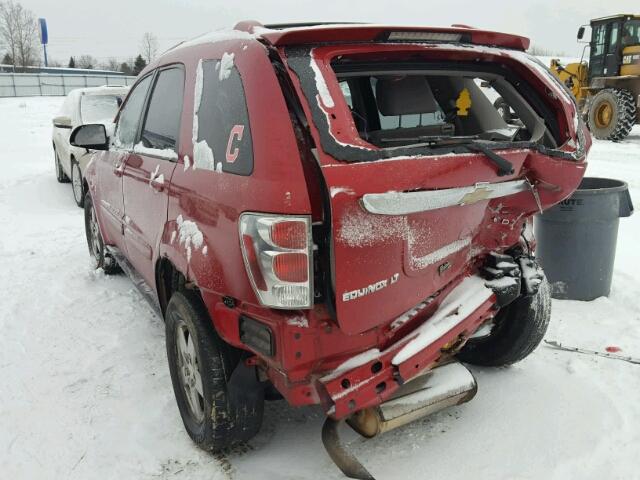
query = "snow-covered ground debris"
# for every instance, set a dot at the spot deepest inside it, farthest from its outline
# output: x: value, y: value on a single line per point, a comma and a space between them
x: 86, y: 392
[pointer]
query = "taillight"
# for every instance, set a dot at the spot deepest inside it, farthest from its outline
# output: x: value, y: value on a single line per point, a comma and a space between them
x: 277, y: 252
x: 289, y: 234
x: 251, y: 261
x: 291, y: 267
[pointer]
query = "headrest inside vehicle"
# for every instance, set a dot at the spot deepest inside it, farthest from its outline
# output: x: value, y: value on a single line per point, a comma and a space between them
x: 405, y: 96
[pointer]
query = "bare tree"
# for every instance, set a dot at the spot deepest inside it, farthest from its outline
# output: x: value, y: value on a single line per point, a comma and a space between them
x: 86, y: 61
x: 111, y: 64
x: 8, y: 34
x: 19, y: 31
x: 149, y: 46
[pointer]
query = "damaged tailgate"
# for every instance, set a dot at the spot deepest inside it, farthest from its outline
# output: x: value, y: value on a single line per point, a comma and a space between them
x: 409, y: 212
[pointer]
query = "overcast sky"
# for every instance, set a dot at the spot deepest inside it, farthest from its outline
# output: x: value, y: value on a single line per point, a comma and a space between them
x: 113, y: 28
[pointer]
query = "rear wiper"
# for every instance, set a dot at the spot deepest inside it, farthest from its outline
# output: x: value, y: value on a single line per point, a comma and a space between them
x: 505, y: 167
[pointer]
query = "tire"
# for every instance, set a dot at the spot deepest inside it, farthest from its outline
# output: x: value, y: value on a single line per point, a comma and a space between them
x: 612, y: 114
x: 503, y: 109
x: 100, y: 258
x: 518, y: 329
x: 60, y: 175
x: 215, y: 415
x: 76, y: 184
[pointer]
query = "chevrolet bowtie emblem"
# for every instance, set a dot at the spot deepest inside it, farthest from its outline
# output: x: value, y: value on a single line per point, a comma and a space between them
x: 481, y: 192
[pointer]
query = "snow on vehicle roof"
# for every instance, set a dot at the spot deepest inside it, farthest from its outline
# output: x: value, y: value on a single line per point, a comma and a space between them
x: 214, y: 37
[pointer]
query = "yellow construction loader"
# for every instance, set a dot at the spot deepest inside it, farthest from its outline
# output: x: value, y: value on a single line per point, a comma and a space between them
x: 607, y: 87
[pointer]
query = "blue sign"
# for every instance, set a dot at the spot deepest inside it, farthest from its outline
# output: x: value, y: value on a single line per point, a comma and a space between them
x: 44, y: 35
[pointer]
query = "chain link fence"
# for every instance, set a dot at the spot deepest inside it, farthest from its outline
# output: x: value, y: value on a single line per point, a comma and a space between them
x: 40, y: 84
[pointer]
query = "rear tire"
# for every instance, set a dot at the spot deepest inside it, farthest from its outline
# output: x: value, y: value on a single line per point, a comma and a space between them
x: 215, y: 415
x: 518, y: 329
x: 76, y: 184
x: 612, y: 114
x: 101, y: 259
x: 60, y: 175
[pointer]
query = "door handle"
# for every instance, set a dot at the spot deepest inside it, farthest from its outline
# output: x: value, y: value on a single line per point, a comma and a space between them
x: 118, y: 168
x: 157, y: 186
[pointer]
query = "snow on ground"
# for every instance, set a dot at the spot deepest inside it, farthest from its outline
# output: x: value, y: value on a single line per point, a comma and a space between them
x: 86, y: 391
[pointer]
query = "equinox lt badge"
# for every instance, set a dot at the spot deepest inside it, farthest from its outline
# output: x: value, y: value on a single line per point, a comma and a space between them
x: 374, y: 287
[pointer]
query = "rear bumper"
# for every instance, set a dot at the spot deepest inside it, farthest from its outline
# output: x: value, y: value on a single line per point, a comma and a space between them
x: 370, y: 378
x: 313, y: 362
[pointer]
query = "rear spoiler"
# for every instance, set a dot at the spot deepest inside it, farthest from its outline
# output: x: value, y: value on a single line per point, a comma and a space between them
x: 282, y: 35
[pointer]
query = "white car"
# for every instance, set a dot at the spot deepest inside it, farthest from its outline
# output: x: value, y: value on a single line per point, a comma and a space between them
x: 82, y: 106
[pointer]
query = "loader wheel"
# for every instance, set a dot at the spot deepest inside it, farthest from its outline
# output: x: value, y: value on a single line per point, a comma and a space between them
x: 219, y: 406
x: 518, y: 329
x: 612, y: 114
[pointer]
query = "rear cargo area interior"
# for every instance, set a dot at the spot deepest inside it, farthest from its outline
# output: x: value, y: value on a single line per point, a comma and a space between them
x: 394, y: 107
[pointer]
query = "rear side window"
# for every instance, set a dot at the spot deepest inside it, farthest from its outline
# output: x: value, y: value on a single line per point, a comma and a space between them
x: 162, y: 123
x: 130, y: 116
x: 223, y: 120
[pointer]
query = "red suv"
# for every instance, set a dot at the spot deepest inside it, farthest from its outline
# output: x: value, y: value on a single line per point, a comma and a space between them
x: 326, y: 212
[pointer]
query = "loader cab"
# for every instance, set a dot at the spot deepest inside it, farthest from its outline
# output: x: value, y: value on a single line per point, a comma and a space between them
x: 609, y: 37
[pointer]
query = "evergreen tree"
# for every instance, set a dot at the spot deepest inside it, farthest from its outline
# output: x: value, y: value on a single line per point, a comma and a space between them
x: 125, y: 68
x: 72, y: 62
x: 7, y: 60
x: 139, y: 65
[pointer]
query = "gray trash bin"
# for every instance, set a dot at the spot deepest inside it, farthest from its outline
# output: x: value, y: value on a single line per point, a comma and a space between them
x: 577, y: 238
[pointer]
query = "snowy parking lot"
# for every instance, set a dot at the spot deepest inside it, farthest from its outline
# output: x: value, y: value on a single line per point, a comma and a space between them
x: 86, y: 391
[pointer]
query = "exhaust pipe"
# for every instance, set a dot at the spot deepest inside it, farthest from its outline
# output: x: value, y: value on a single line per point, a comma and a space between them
x: 444, y: 386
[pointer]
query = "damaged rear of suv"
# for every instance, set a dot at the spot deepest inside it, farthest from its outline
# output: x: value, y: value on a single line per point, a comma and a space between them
x: 349, y: 215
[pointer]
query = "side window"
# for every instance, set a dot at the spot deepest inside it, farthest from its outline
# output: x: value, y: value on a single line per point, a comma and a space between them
x: 223, y: 121
x: 162, y: 122
x: 599, y: 40
x: 613, y: 41
x: 130, y: 116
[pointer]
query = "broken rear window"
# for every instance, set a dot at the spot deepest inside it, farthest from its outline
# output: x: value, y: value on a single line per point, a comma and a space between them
x: 419, y: 106
x: 397, y: 109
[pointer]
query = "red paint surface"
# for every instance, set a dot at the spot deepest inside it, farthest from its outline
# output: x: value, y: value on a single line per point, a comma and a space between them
x: 280, y: 184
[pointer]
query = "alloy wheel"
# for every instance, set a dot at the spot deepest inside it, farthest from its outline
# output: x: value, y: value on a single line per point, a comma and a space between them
x: 189, y: 371
x: 94, y: 230
x: 76, y: 182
